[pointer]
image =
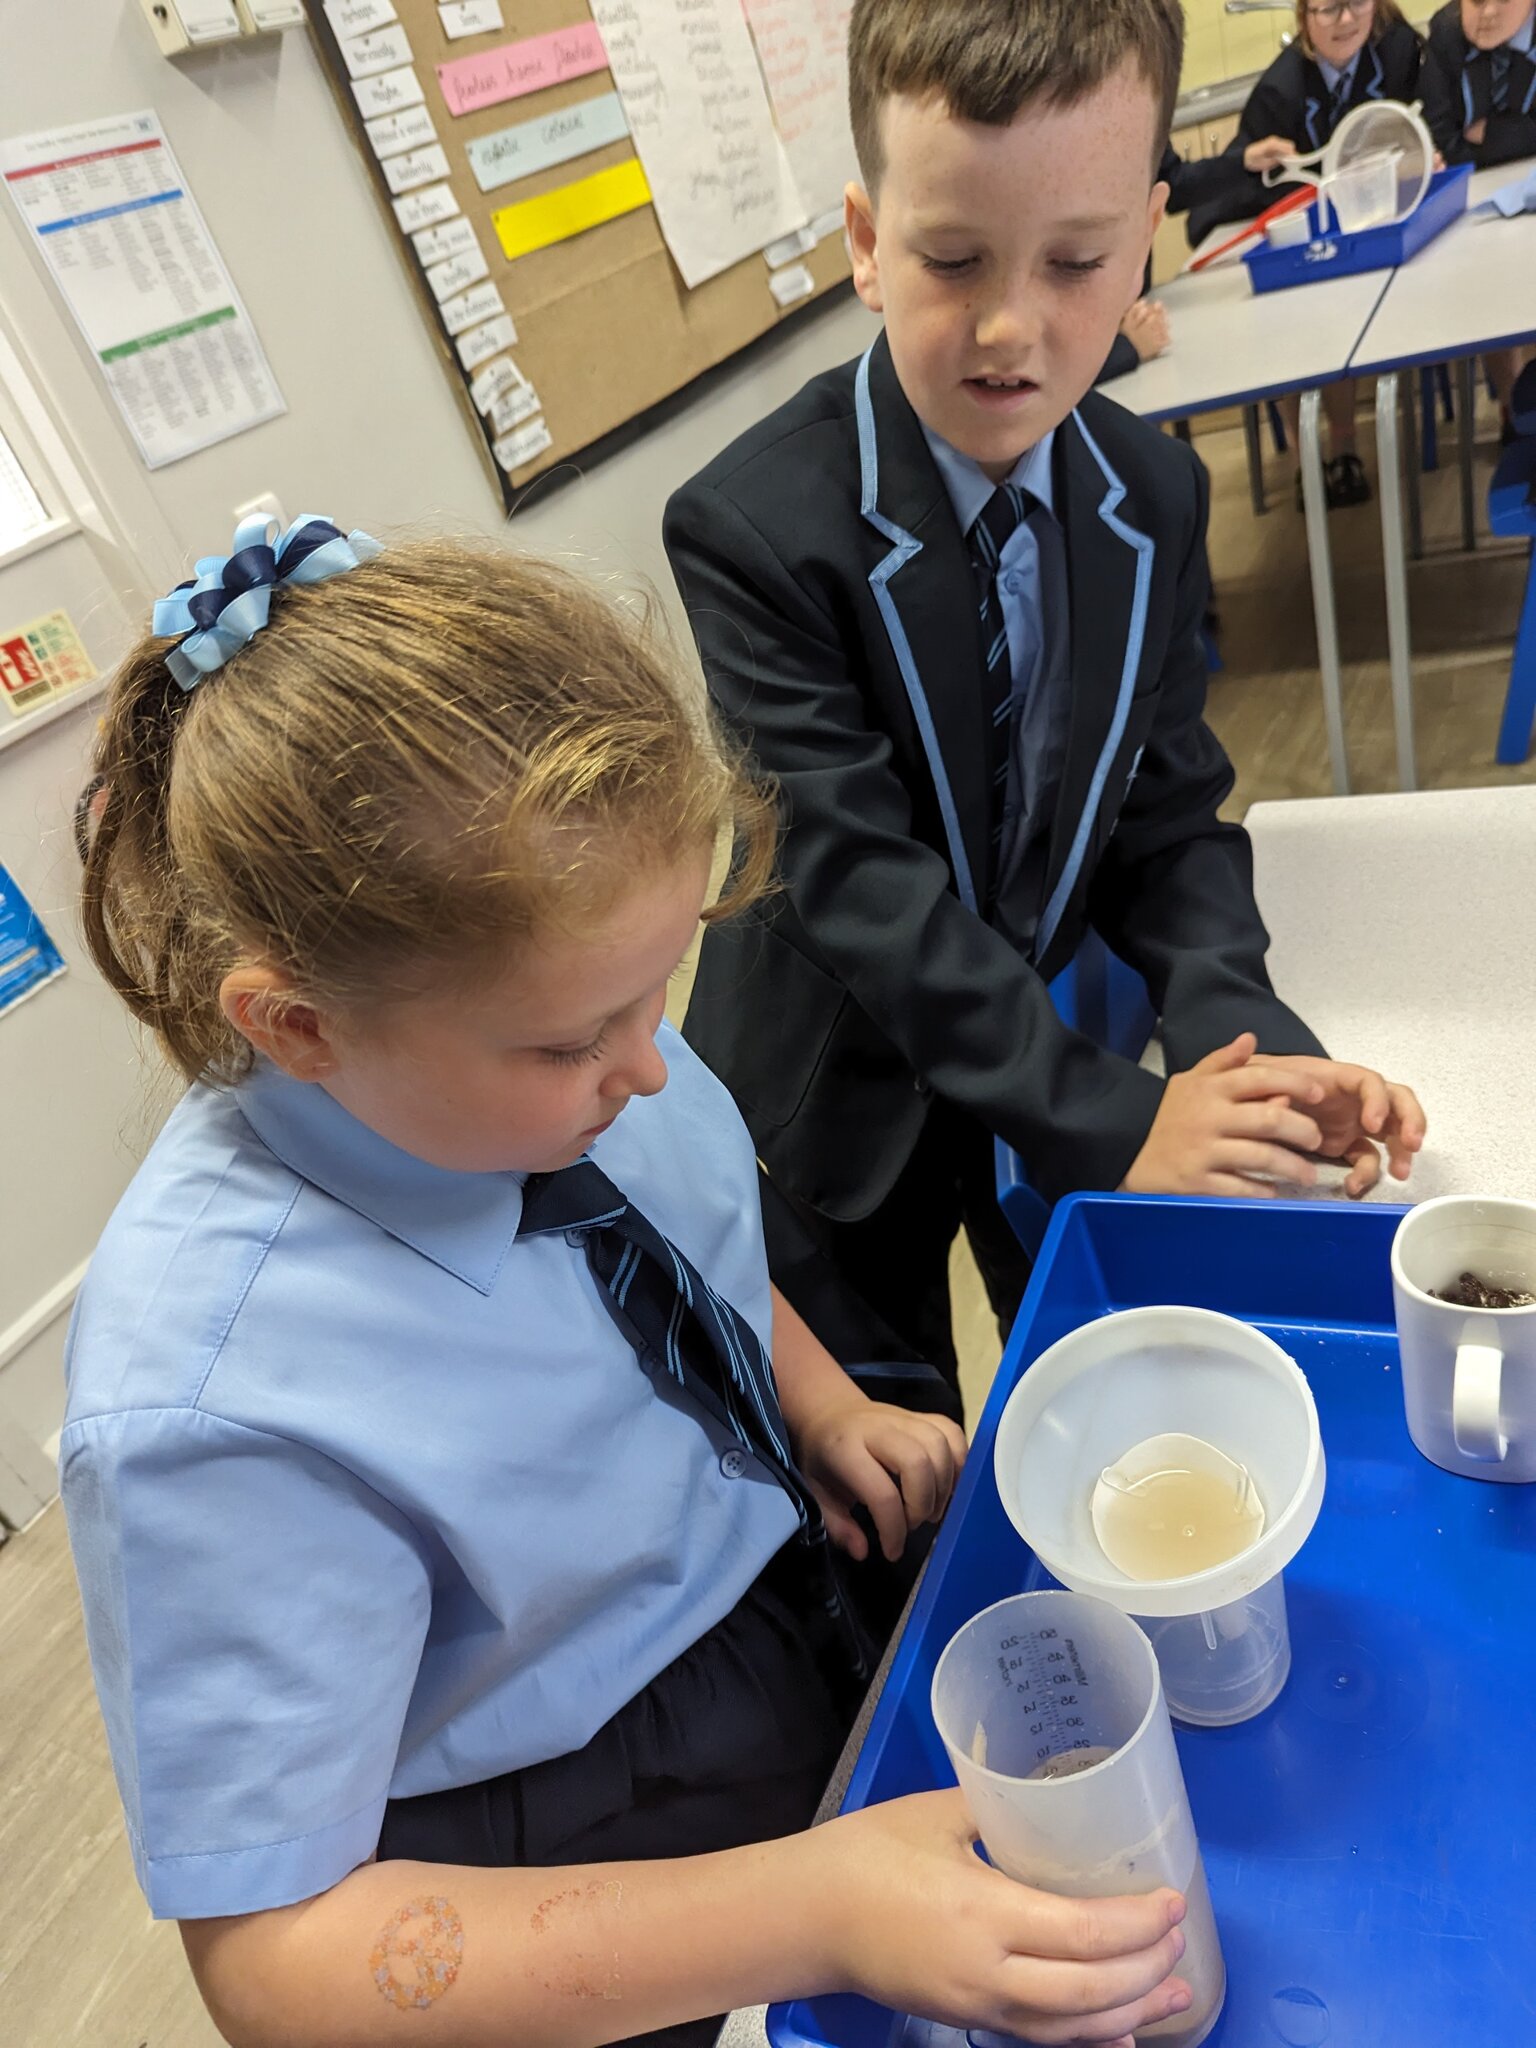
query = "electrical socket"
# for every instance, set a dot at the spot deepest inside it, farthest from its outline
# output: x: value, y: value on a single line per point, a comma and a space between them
x: 267, y: 506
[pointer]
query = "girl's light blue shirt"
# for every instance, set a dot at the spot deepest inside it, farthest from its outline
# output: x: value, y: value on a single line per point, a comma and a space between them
x: 367, y: 1498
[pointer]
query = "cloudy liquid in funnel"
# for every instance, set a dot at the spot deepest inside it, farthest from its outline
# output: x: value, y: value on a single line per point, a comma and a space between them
x: 1176, y: 1522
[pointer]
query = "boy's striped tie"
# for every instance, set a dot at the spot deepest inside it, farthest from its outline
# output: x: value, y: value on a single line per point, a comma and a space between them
x: 1499, y: 62
x: 994, y: 526
x: 680, y: 1327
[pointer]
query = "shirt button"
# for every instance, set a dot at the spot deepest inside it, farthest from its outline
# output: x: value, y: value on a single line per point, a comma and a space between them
x: 576, y: 1237
x: 733, y: 1463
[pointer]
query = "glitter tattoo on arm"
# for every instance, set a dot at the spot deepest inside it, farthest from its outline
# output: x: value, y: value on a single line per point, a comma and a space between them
x: 417, y: 1955
x: 588, y: 1972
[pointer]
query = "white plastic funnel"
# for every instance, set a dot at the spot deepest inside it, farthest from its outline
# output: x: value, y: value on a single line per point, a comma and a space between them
x: 1220, y: 1635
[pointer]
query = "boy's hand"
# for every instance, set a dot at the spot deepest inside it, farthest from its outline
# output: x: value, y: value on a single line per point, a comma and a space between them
x: 915, y: 1920
x: 900, y: 1466
x: 1357, y: 1112
x: 1225, y: 1121
x: 1145, y: 327
x: 1263, y: 156
x: 1476, y: 132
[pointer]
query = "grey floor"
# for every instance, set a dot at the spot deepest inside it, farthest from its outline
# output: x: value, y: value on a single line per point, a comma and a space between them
x: 80, y: 1960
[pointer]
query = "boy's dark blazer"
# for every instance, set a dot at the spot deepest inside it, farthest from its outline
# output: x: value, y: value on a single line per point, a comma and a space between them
x: 834, y: 605
x: 1458, y: 92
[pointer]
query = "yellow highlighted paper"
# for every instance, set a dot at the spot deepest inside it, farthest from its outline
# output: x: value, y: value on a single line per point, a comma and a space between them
x: 570, y: 209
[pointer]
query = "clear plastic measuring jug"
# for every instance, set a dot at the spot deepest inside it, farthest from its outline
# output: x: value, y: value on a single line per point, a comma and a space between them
x: 1052, y: 1710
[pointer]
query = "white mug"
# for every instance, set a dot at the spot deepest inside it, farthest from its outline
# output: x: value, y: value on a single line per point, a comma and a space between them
x: 1469, y: 1374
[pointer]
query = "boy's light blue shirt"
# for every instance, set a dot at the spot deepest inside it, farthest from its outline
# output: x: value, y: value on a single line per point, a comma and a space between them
x: 369, y: 1499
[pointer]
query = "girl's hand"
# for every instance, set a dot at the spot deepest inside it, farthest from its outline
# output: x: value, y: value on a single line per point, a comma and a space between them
x: 915, y: 1920
x: 902, y: 1467
x: 1228, y: 1120
x: 1263, y: 156
x: 1357, y: 1111
x: 1145, y: 327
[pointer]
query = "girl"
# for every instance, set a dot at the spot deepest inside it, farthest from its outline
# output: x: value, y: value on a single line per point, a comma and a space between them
x: 437, y: 1513
x: 1346, y: 52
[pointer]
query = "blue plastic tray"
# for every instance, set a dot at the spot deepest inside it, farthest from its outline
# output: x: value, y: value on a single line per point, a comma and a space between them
x: 1370, y: 1839
x: 1336, y: 255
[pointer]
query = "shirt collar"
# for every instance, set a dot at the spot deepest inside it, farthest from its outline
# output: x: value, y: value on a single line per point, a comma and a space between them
x: 463, y: 1222
x: 970, y: 488
x: 1332, y: 75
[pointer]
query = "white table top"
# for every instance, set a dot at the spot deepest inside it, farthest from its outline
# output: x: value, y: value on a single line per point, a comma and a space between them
x: 1474, y: 287
x: 1231, y: 345
x: 1404, y: 931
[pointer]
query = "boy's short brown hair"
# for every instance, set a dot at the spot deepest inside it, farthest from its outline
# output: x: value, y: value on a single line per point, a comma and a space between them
x: 987, y: 59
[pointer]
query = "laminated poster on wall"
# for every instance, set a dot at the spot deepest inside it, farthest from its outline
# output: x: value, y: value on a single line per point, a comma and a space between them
x: 41, y: 662
x: 28, y: 957
x: 108, y: 209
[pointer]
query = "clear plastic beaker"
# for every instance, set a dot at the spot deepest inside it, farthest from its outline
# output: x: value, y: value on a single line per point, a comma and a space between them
x: 1363, y: 193
x: 1225, y: 1664
x: 1220, y: 1634
x: 1052, y: 1710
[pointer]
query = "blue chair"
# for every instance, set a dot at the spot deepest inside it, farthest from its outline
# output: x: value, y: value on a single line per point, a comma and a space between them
x: 1107, y: 1001
x: 1522, y: 401
x: 1512, y: 512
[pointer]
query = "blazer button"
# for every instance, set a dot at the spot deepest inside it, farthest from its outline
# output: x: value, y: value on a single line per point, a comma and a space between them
x: 921, y: 1086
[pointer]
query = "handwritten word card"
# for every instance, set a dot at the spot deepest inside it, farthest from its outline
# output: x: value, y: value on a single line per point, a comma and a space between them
x: 358, y: 17
x: 506, y: 73
x: 698, y: 110
x: 512, y: 153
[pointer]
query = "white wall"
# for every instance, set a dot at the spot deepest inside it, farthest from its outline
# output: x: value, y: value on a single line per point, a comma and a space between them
x: 373, y: 436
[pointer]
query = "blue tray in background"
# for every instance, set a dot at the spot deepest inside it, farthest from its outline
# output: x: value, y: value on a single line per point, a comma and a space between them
x: 1370, y: 1839
x: 1336, y: 255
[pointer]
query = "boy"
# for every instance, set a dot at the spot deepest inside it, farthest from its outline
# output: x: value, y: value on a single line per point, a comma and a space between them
x: 1480, y: 103
x: 1480, y: 81
x: 983, y: 706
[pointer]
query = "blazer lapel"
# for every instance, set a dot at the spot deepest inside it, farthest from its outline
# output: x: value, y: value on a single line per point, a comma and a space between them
x: 923, y: 588
x: 1109, y: 571
x: 1316, y: 99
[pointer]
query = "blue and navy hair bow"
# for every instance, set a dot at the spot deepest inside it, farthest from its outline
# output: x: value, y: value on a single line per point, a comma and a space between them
x: 229, y: 600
